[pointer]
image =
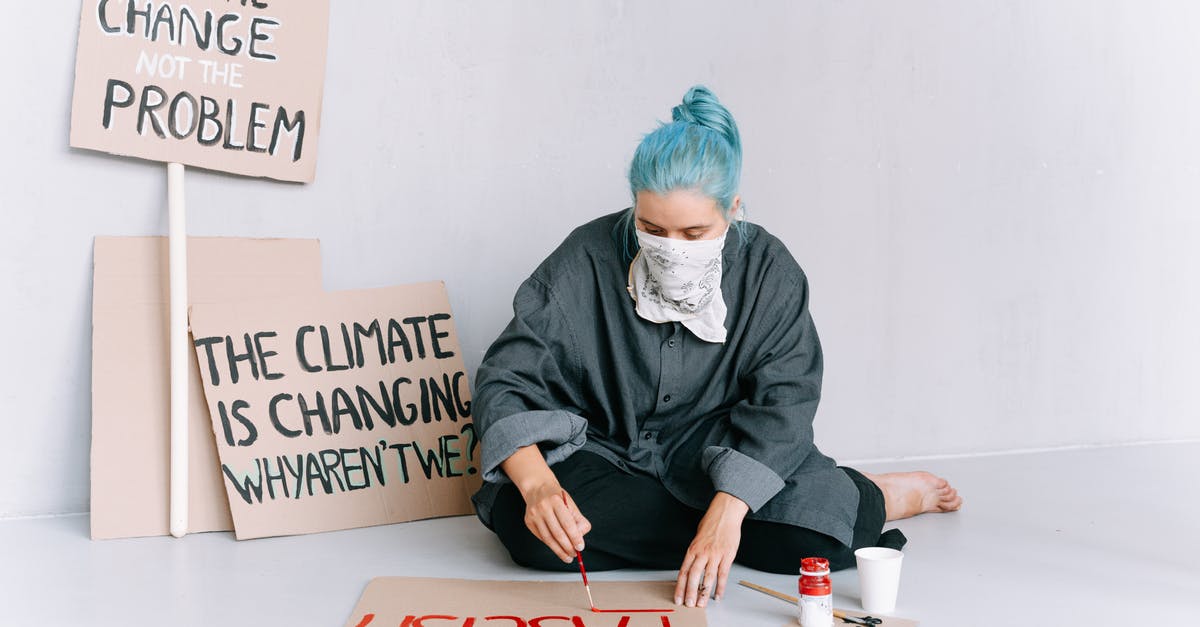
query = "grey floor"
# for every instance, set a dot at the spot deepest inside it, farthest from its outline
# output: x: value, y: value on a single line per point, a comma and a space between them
x: 1063, y: 538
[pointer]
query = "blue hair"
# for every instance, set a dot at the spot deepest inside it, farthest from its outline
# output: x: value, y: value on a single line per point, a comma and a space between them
x: 698, y: 150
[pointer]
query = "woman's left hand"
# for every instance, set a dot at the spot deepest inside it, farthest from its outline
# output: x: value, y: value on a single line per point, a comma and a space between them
x: 706, y: 565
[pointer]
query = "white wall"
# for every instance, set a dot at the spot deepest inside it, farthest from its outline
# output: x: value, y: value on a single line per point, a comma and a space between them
x: 996, y: 202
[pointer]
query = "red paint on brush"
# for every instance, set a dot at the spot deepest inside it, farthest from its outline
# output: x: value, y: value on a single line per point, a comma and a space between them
x: 578, y: 556
x: 583, y: 572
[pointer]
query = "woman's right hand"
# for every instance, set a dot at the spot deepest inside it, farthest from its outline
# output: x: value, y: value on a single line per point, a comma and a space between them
x: 550, y: 514
x: 553, y: 517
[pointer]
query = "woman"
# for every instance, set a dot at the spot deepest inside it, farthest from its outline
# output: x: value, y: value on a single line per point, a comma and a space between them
x: 655, y: 390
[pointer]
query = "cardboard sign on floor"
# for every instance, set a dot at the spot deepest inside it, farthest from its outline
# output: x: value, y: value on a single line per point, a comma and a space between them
x: 338, y: 410
x: 131, y: 427
x: 410, y: 601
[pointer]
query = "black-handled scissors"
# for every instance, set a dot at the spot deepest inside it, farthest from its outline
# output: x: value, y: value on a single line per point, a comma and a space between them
x: 865, y: 620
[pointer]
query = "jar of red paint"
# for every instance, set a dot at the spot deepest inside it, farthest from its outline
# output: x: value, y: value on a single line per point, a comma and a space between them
x: 816, y: 593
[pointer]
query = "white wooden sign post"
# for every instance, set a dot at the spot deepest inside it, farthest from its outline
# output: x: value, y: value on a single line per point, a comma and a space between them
x: 181, y: 348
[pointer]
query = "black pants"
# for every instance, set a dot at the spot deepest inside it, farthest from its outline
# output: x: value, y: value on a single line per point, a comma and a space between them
x: 637, y: 523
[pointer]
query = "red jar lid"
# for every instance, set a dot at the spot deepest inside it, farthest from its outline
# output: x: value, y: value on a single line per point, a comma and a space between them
x: 814, y: 566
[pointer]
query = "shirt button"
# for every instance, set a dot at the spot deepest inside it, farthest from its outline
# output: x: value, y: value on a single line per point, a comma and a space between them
x: 647, y: 436
x: 667, y: 398
x: 671, y: 343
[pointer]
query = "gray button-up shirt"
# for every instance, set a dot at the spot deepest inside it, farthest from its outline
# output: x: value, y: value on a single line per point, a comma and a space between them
x: 577, y: 368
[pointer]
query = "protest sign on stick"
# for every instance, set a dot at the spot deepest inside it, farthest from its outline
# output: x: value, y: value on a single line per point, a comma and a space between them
x: 229, y: 85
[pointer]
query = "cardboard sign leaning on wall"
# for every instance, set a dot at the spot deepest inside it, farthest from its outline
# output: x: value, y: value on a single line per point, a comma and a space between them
x: 230, y: 86
x: 130, y: 368
x: 338, y: 410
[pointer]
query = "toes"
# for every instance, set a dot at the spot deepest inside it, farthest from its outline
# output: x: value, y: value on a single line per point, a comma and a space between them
x: 952, y: 506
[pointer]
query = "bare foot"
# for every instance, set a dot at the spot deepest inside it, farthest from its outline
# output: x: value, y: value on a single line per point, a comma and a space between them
x: 907, y: 494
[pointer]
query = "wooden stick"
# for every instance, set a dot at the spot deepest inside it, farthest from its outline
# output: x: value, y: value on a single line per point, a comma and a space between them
x: 778, y: 595
x: 783, y: 597
x: 180, y: 347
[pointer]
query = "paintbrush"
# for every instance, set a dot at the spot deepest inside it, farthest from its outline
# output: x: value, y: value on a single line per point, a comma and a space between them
x: 785, y: 597
x: 582, y: 571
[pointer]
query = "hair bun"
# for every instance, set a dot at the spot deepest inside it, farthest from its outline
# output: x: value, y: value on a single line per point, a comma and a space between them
x: 700, y: 106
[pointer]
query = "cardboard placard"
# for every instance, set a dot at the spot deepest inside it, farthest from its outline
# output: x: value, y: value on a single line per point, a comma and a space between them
x: 410, y: 601
x: 338, y: 410
x: 885, y: 621
x: 131, y: 371
x: 227, y: 85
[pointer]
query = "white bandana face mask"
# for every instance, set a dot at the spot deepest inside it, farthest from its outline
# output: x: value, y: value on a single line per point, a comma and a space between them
x: 680, y: 280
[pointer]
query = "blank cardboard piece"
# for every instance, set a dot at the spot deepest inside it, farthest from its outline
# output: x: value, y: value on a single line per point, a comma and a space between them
x: 338, y: 410
x: 130, y: 493
x: 229, y: 86
x: 390, y: 601
x: 888, y: 621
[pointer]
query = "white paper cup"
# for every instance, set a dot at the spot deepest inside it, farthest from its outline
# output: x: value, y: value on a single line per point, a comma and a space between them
x: 878, y: 578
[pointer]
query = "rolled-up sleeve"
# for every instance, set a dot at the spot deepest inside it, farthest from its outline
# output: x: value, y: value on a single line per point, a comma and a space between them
x: 557, y: 432
x: 772, y: 426
x: 526, y: 386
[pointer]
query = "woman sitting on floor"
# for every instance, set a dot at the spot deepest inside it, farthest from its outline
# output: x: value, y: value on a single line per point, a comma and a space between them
x: 656, y: 388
